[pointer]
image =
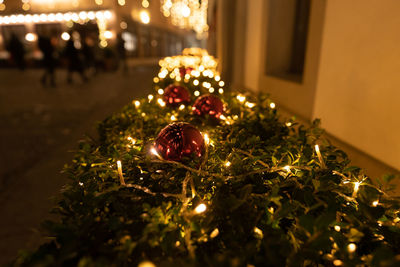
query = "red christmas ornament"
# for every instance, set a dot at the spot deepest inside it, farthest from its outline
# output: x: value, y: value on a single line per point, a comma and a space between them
x: 208, y: 104
x: 184, y: 71
x: 176, y: 95
x: 178, y: 140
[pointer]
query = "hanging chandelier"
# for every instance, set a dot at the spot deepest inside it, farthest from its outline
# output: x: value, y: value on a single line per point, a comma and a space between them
x: 187, y: 14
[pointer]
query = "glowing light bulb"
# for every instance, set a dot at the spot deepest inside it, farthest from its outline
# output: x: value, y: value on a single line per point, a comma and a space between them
x: 150, y: 97
x: 26, y: 6
x: 221, y: 91
x: 155, y: 153
x: 221, y: 83
x: 186, y: 12
x: 161, y: 102
x: 20, y: 18
x: 356, y: 187
x: 107, y: 14
x: 206, y: 84
x: 250, y: 105
x: 206, y: 139
x: 241, y: 98
x: 287, y: 168
x: 337, y: 262
x: 200, y: 208
x: 217, y: 78
x: 228, y: 163
x: 30, y: 37
x: 145, y: 3
x: 146, y: 264
x: 173, y: 118
x: 258, y: 232
x: 59, y: 17
x: 29, y: 18
x: 351, y: 248
x: 337, y: 228
x: 91, y: 15
x: 74, y: 17
x: 137, y: 103
x: 121, y: 177
x: 375, y: 203
x: 214, y: 233
x: 272, y: 105
x: 196, y: 82
x: 108, y: 34
x: 160, y: 91
x: 211, y: 90
x: 132, y: 140
x: 156, y: 80
x: 182, y: 107
x: 66, y: 17
x: 196, y: 93
x: 288, y: 124
x: 144, y: 17
x: 83, y: 15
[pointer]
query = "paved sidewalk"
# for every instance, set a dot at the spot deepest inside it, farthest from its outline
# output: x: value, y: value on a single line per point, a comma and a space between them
x: 39, y: 128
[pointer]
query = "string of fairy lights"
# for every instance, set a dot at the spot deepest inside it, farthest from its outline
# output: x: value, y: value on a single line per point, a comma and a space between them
x: 102, y: 17
x: 169, y: 66
x: 202, y: 207
x: 187, y: 14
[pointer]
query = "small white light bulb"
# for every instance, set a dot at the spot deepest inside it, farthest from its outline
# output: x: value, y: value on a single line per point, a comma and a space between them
x: 351, y: 248
x: 200, y: 208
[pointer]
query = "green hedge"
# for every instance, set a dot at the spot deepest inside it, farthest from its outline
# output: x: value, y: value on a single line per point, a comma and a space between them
x: 276, y: 204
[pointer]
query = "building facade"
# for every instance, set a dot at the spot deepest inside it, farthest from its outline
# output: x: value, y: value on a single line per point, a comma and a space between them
x: 146, y: 33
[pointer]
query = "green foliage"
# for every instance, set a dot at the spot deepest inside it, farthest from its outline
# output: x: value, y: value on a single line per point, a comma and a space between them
x: 276, y: 204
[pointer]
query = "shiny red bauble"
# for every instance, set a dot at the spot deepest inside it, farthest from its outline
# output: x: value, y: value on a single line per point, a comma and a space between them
x: 208, y: 105
x: 179, y: 140
x: 176, y: 95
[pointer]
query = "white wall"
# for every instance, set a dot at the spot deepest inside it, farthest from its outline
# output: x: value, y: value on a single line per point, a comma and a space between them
x: 358, y: 85
x: 254, y: 31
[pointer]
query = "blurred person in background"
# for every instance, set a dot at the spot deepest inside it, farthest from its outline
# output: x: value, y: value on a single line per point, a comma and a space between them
x: 17, y: 51
x: 88, y: 50
x: 122, y: 52
x: 48, y: 48
x: 74, y: 58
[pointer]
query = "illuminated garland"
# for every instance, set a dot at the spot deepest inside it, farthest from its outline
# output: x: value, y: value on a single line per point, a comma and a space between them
x: 187, y: 14
x: 195, y: 69
x: 267, y: 192
x: 80, y: 17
